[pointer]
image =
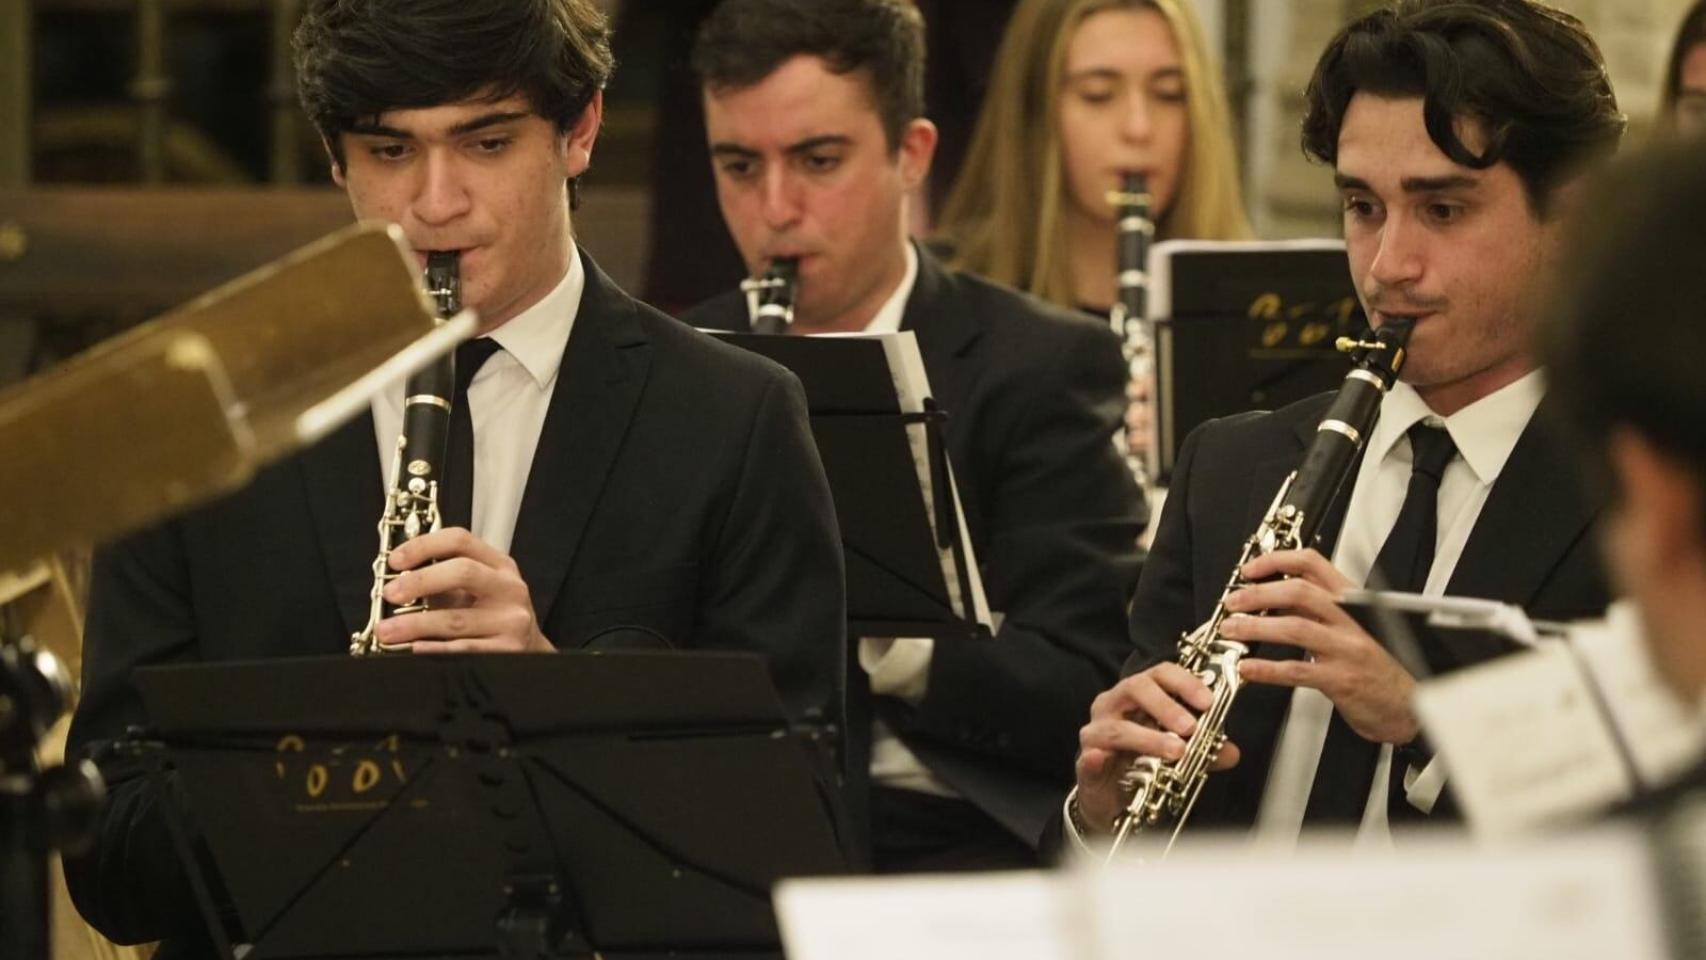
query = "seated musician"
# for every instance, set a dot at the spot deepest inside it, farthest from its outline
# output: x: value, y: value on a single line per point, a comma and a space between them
x: 813, y: 116
x: 1135, y: 92
x: 633, y: 482
x: 1456, y: 133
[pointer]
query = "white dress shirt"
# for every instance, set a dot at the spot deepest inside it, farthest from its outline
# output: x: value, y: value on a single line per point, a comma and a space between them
x: 507, y: 401
x: 1485, y: 433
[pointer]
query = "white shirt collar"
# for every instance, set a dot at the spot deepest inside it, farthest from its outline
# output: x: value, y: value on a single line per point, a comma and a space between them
x: 1485, y: 432
x: 537, y: 336
x: 893, y: 310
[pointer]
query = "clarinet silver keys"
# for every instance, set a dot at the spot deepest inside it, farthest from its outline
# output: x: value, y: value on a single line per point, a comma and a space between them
x: 1134, y: 231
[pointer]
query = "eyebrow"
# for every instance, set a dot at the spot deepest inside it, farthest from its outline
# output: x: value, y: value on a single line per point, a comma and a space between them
x: 804, y: 146
x: 465, y: 127
x: 1450, y: 181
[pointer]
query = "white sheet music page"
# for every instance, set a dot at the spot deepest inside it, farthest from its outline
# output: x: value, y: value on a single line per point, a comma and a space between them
x: 992, y: 916
x: 1562, y: 732
x: 1524, y: 741
x: 1665, y: 737
x: 1587, y: 896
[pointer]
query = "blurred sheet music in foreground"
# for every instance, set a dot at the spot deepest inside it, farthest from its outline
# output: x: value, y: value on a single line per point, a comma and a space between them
x: 1612, y: 891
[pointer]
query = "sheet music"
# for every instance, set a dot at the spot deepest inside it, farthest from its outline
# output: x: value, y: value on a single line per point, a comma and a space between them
x: 1579, y: 897
x: 992, y: 916
x: 1524, y: 741
x: 1561, y: 732
x: 1665, y: 737
x: 912, y: 385
x: 1582, y: 896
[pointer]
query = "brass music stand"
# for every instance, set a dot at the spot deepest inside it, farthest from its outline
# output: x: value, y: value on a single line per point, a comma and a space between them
x: 176, y: 411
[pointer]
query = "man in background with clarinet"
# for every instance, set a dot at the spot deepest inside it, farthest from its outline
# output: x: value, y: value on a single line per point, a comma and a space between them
x: 629, y: 482
x: 1457, y: 132
x: 813, y: 114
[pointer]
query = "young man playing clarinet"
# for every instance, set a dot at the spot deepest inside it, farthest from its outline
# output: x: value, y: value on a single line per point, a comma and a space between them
x: 633, y: 482
x: 813, y: 115
x: 1456, y: 132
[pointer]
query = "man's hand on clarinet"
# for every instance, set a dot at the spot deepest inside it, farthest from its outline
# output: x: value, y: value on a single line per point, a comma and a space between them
x: 1298, y: 597
x: 1147, y: 714
x: 479, y: 602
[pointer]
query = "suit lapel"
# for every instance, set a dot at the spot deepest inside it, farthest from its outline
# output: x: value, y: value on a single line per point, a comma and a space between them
x: 1535, y: 503
x: 943, y: 330
x: 604, y: 370
x: 1266, y: 477
x: 345, y: 490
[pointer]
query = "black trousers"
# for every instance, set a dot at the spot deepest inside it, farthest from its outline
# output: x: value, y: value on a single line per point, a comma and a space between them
x: 914, y: 832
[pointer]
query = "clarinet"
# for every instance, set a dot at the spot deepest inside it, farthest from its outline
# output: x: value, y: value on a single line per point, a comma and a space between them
x: 1132, y: 203
x: 411, y: 505
x: 773, y: 306
x: 1161, y: 789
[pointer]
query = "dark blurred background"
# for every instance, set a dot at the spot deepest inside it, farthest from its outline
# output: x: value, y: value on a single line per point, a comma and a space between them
x: 151, y: 149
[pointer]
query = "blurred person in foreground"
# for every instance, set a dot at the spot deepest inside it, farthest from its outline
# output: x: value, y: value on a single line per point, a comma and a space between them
x: 1624, y: 348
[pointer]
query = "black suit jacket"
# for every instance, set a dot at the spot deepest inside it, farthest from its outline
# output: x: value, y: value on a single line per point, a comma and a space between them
x: 1033, y: 396
x: 675, y: 495
x: 1531, y: 546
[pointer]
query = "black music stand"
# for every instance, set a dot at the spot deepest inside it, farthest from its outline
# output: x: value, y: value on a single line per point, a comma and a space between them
x: 1244, y: 325
x: 1432, y: 636
x: 618, y: 804
x: 896, y: 586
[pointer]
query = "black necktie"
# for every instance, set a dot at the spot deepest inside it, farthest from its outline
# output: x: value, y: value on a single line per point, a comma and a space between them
x: 456, y: 494
x: 1346, y: 771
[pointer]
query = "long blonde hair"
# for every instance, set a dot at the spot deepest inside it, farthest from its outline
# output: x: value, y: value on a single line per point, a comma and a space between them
x: 1003, y: 216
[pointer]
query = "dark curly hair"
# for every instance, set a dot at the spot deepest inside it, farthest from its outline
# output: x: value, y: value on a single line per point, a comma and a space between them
x: 356, y: 59
x: 744, y: 41
x: 1531, y: 76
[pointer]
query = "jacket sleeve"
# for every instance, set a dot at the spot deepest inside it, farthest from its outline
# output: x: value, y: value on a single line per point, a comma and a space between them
x: 1059, y: 559
x: 130, y: 884
x: 1164, y: 605
x: 776, y: 583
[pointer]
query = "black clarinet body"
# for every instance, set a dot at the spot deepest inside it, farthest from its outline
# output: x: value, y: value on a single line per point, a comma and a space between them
x: 412, y: 501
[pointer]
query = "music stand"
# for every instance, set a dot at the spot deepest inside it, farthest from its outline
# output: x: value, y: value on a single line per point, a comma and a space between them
x: 171, y: 413
x: 1244, y: 325
x: 911, y: 571
x: 616, y: 804
x: 189, y: 405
